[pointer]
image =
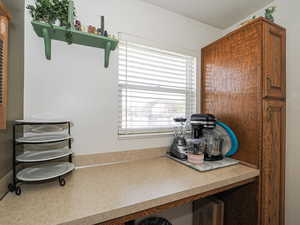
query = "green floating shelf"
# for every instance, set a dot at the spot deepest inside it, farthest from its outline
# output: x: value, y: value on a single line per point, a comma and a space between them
x: 52, y: 32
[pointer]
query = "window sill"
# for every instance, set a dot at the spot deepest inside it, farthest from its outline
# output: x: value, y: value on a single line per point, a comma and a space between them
x: 142, y: 136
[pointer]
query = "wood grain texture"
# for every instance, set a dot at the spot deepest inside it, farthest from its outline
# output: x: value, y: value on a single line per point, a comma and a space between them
x: 220, y: 211
x: 208, y: 211
x: 241, y: 205
x: 274, y: 69
x: 243, y: 74
x: 161, y: 208
x: 4, y: 72
x: 257, y: 20
x: 231, y: 87
x: 273, y: 168
x: 4, y: 11
x: 203, y: 212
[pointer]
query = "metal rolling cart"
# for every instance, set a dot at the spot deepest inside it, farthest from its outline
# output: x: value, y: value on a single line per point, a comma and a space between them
x: 42, y: 169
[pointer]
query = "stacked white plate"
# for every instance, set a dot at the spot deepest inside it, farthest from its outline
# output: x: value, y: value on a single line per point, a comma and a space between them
x: 45, y: 171
x: 40, y: 156
x: 42, y: 138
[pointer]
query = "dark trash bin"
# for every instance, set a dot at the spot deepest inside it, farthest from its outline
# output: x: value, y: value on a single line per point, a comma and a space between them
x: 154, y: 221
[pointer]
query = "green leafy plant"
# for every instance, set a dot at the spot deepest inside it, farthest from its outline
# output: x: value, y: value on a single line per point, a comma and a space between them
x: 50, y: 10
x: 43, y: 10
x: 61, y: 7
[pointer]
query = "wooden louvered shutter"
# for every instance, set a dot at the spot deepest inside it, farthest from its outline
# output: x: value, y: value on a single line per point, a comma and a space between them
x: 3, y: 70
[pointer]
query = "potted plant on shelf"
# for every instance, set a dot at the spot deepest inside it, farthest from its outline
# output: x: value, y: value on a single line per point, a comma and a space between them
x: 43, y: 11
x: 50, y: 11
x: 46, y: 15
x: 62, y: 9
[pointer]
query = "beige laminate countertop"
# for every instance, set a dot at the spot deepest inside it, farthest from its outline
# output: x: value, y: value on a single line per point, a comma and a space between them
x: 97, y: 194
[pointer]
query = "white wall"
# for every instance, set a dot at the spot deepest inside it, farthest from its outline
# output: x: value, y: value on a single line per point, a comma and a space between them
x: 288, y: 15
x: 75, y: 85
x: 15, y: 80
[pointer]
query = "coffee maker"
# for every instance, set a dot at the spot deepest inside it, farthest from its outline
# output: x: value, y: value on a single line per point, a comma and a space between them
x: 204, y: 139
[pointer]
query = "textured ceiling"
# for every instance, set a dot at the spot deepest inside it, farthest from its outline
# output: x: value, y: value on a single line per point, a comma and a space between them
x: 218, y: 13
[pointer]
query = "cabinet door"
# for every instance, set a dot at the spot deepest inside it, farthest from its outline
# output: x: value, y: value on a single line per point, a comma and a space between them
x: 274, y: 61
x: 273, y: 162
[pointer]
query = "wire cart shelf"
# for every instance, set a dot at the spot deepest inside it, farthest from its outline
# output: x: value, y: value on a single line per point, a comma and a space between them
x: 42, y: 170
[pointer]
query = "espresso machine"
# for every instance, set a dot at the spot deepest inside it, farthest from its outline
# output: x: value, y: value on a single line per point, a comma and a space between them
x: 204, y: 138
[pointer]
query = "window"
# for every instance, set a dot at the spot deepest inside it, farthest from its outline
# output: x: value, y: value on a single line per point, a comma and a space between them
x: 155, y: 86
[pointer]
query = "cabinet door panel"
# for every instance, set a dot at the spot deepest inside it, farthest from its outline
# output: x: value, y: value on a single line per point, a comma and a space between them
x: 273, y: 163
x: 274, y: 62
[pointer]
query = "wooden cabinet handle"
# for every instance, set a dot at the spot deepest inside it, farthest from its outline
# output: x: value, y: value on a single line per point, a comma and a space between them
x: 269, y: 80
x: 269, y: 116
x: 270, y: 83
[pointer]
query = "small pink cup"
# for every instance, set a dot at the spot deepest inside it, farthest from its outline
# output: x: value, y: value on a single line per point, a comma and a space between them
x: 195, y: 159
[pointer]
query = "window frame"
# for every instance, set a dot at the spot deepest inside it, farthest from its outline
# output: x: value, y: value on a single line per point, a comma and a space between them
x: 124, y: 133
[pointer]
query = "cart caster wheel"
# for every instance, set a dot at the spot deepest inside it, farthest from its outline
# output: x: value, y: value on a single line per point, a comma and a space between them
x: 18, y: 191
x: 11, y: 188
x: 62, y: 182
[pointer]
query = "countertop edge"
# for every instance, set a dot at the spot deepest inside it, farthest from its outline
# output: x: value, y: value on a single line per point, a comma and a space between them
x: 141, y: 206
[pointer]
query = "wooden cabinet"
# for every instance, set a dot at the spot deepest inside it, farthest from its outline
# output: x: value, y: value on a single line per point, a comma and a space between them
x: 274, y: 61
x: 231, y: 75
x: 243, y: 84
x: 273, y: 167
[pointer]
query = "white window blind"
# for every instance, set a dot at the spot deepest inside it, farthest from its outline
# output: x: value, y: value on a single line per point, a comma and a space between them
x: 155, y: 86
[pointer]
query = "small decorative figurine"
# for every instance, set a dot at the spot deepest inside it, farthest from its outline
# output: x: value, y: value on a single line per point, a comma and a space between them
x: 105, y: 34
x: 269, y: 13
x: 102, y: 26
x: 91, y: 29
x: 83, y: 28
x: 78, y: 25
